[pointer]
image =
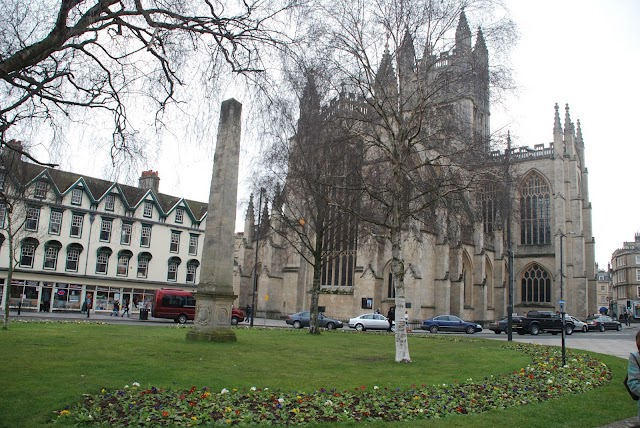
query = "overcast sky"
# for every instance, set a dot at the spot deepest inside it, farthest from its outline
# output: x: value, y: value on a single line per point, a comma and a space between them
x: 585, y: 53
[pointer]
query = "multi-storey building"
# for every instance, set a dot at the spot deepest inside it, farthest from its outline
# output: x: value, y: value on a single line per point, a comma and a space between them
x: 456, y: 261
x: 625, y: 276
x: 605, y: 292
x: 75, y: 236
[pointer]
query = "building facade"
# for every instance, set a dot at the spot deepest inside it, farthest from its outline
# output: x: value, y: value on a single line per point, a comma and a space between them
x: 75, y: 237
x: 625, y: 278
x: 458, y: 263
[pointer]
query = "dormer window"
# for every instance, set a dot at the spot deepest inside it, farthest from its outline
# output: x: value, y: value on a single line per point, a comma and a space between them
x: 148, y: 209
x: 40, y: 190
x: 76, y: 196
x: 179, y: 215
x: 109, y: 203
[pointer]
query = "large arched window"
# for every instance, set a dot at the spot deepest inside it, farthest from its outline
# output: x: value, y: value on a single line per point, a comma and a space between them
x: 51, y: 250
x: 192, y: 268
x: 123, y: 262
x: 172, y: 269
x: 536, y: 285
x: 535, y: 212
x: 28, y: 251
x: 102, y: 259
x: 73, y: 256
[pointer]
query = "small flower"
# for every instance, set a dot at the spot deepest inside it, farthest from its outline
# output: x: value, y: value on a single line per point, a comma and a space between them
x: 135, y: 384
x: 64, y: 412
x: 376, y: 387
x: 224, y: 391
x: 253, y: 388
x: 165, y: 413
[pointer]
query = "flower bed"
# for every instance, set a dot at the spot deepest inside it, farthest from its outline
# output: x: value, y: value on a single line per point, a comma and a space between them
x: 541, y: 380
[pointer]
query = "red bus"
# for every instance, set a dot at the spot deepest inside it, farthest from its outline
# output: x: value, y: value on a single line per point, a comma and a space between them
x: 180, y: 306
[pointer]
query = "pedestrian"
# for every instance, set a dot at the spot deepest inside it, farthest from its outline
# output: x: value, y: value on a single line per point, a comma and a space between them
x: 125, y: 309
x: 378, y: 311
x: 247, y: 311
x: 116, y: 308
x: 391, y: 316
x: 633, y: 371
x: 89, y: 303
x: 627, y: 316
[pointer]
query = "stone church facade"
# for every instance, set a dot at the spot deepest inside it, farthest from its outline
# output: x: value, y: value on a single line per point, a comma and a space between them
x: 464, y: 272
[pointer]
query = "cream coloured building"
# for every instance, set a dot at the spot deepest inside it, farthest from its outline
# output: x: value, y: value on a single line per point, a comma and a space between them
x: 81, y: 236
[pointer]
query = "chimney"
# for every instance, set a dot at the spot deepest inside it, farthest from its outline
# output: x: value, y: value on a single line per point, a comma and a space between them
x: 149, y: 180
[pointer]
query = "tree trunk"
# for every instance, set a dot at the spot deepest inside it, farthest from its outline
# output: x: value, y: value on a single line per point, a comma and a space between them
x: 314, y: 327
x: 5, y: 323
x: 397, y: 268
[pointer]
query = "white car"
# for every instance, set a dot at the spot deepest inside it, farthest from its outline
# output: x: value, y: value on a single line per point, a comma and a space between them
x: 369, y: 322
x: 579, y: 325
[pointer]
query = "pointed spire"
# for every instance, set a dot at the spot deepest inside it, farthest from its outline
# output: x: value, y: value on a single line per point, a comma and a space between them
x: 277, y: 200
x: 265, y: 220
x: 557, y: 128
x: 579, y: 135
x: 406, y: 54
x: 386, y: 76
x: 463, y: 35
x: 249, y: 221
x: 481, y: 46
x: 568, y: 125
x: 250, y: 214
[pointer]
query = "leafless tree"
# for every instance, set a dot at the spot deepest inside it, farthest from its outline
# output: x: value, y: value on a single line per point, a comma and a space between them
x: 422, y: 118
x: 18, y: 218
x: 61, y: 58
x: 315, y: 171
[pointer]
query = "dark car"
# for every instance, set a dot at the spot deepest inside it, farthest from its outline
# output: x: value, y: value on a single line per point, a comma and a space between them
x: 501, y: 325
x: 450, y: 323
x: 602, y: 323
x: 303, y: 319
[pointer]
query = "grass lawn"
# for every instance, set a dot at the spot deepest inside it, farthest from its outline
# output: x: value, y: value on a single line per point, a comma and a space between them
x: 47, y: 366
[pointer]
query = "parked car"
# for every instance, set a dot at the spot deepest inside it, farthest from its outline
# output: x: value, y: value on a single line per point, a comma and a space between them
x: 450, y: 323
x: 578, y: 325
x: 602, y: 323
x: 370, y: 322
x: 303, y: 319
x: 501, y: 325
x: 537, y: 322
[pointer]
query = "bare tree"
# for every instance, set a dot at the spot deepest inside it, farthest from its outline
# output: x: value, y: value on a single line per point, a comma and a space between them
x: 423, y: 120
x: 316, y: 173
x: 58, y: 59
x: 18, y: 219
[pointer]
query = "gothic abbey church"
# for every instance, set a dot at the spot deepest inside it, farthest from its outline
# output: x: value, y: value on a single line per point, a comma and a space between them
x: 458, y: 265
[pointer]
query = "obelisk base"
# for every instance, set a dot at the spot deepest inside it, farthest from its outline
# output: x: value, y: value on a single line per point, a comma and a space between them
x: 213, y: 318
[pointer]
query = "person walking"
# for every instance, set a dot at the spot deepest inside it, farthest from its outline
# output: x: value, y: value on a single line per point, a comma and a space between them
x: 89, y: 303
x: 125, y: 309
x: 116, y: 308
x: 633, y: 371
x: 391, y: 316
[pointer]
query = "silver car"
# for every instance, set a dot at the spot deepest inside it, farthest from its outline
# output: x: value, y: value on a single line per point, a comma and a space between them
x: 579, y: 325
x: 369, y: 322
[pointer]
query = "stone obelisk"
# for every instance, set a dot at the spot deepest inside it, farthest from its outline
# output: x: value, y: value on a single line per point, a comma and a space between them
x: 215, y: 290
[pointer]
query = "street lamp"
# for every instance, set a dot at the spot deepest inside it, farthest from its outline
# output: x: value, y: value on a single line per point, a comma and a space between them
x: 562, y: 302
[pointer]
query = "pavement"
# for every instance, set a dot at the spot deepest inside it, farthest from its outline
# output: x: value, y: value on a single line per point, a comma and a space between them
x: 576, y: 340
